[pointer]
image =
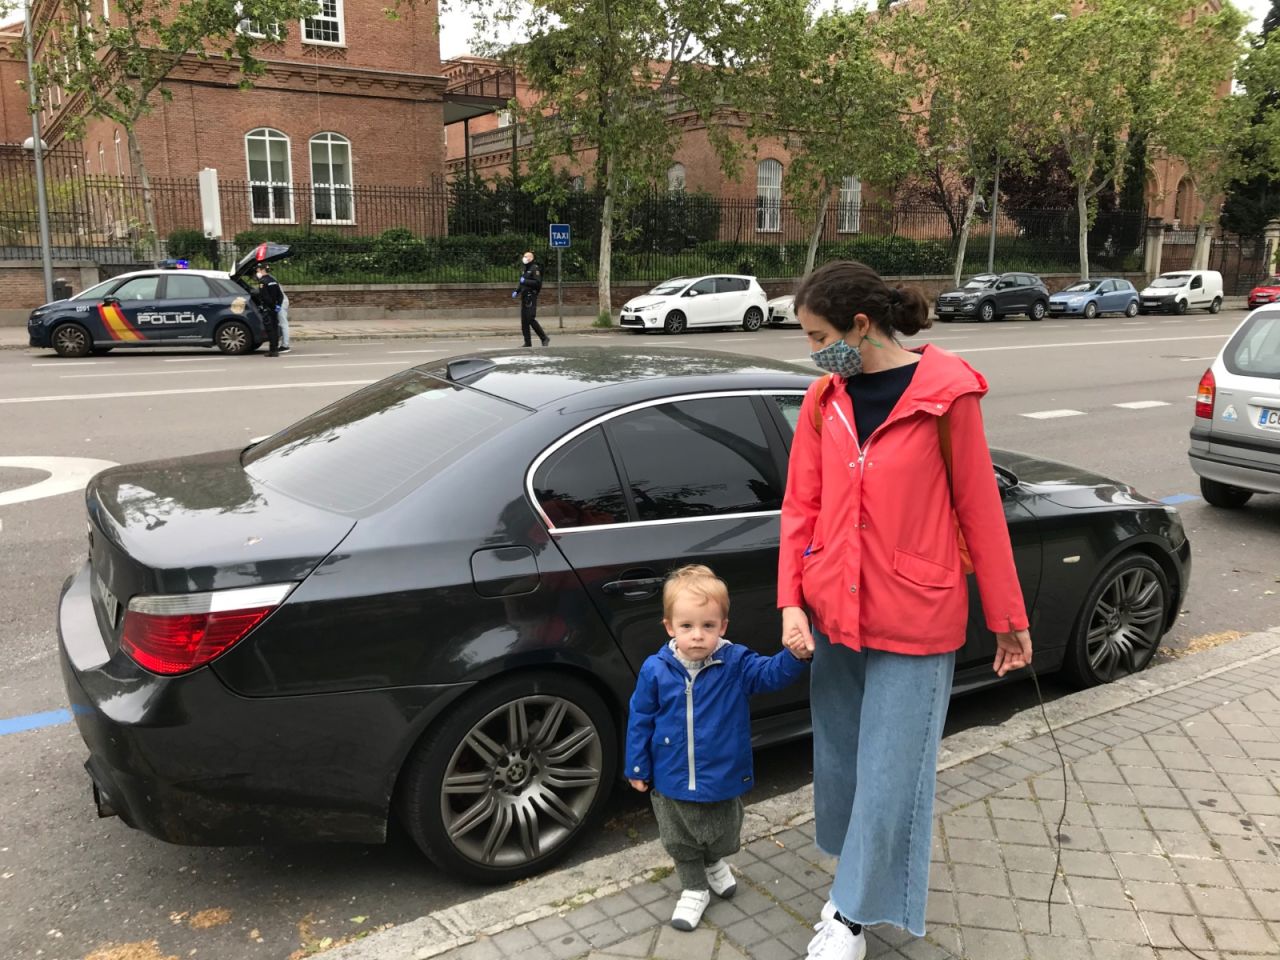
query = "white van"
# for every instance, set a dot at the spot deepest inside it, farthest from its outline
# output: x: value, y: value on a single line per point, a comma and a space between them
x: 1181, y: 291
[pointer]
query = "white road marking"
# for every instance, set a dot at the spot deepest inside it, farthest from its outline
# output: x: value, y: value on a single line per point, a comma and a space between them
x: 734, y: 339
x: 308, y: 356
x: 65, y: 363
x: 1137, y: 323
x: 395, y: 352
x: 224, y: 357
x: 1053, y: 414
x: 141, y: 373
x: 1194, y: 359
x: 1141, y: 404
x: 66, y: 475
x: 1090, y: 343
x: 192, y: 390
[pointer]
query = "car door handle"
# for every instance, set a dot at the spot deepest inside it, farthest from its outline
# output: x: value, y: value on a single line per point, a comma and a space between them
x: 638, y: 589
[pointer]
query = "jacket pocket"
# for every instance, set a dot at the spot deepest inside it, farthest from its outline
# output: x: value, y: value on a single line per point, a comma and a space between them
x: 926, y: 573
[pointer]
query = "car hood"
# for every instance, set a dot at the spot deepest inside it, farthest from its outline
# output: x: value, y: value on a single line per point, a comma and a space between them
x: 786, y: 301
x: 1264, y: 289
x: 642, y: 303
x: 962, y: 290
x: 262, y: 253
x: 1067, y: 485
x: 1161, y: 291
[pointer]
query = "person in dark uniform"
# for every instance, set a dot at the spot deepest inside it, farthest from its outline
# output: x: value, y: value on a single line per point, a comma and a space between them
x: 527, y: 290
x: 270, y: 297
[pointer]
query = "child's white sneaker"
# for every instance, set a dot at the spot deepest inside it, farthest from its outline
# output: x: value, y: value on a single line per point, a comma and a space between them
x: 720, y: 879
x: 689, y: 909
x: 835, y: 941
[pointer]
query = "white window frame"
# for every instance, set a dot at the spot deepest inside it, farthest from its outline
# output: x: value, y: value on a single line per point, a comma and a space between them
x: 768, y: 196
x: 338, y: 18
x: 849, y: 208
x: 102, y: 159
x: 270, y: 133
x: 119, y: 165
x: 676, y: 178
x: 106, y: 11
x: 504, y: 118
x: 327, y: 139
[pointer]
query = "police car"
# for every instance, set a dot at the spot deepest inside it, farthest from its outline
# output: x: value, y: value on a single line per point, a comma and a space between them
x: 162, y: 307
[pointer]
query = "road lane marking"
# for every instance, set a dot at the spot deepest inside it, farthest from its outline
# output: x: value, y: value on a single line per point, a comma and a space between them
x: 1141, y: 404
x: 52, y: 364
x: 34, y: 721
x: 392, y: 353
x: 307, y: 355
x: 1194, y: 359
x: 1178, y: 498
x: 66, y: 475
x: 224, y: 358
x: 128, y: 394
x: 186, y: 370
x: 1053, y: 414
x: 1092, y: 343
x: 733, y: 339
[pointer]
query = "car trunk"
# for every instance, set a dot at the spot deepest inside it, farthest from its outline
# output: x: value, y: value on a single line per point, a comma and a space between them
x: 1246, y: 410
x: 195, y: 524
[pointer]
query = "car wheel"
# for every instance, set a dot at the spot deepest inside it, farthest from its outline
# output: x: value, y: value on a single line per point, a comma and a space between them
x: 1090, y: 310
x: 1121, y: 622
x: 674, y: 323
x: 1216, y: 305
x: 987, y: 312
x: 1132, y: 310
x: 752, y: 319
x: 506, y: 783
x: 1223, y: 494
x: 1180, y: 308
x: 71, y: 340
x: 1038, y: 310
x: 232, y: 337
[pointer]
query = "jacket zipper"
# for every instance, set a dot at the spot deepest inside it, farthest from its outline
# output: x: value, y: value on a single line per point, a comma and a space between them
x: 688, y: 720
x: 862, y: 451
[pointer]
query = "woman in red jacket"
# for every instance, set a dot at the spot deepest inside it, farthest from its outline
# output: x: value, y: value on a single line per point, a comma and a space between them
x: 890, y: 494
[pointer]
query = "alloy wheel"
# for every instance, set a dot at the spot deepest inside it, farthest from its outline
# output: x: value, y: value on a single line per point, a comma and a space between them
x: 233, y: 338
x: 71, y: 340
x: 751, y: 322
x: 1125, y: 624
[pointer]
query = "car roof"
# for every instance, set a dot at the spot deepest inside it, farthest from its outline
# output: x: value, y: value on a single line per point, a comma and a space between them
x: 629, y: 373
x: 216, y: 274
x: 706, y: 276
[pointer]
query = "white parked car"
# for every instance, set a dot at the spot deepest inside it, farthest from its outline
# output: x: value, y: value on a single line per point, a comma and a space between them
x: 677, y: 305
x: 782, y: 310
x: 1181, y: 291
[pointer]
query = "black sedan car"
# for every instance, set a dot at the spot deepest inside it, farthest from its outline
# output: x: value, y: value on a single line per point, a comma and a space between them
x: 990, y: 296
x: 158, y: 308
x: 431, y: 598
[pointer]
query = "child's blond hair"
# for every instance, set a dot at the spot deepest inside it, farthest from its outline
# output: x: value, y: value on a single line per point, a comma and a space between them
x: 699, y: 580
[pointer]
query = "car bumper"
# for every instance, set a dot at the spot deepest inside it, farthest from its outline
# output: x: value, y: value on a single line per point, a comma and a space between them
x: 956, y: 311
x: 639, y: 321
x: 1157, y: 306
x: 187, y: 761
x: 1059, y: 309
x: 38, y: 336
x: 1235, y: 472
x: 1255, y: 304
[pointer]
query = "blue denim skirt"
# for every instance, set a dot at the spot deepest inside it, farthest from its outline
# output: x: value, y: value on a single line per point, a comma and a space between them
x: 877, y: 722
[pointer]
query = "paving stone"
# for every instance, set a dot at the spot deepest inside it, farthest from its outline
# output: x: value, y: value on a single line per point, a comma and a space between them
x: 1212, y: 873
x: 638, y: 946
x: 482, y: 949
x: 584, y: 916
x: 633, y: 921
x: 992, y: 913
x: 1130, y: 841
x: 1087, y: 863
x: 1029, y: 859
x: 512, y: 942
x: 647, y: 893
x: 603, y: 934
x: 569, y: 945
x: 1222, y: 902
x: 1034, y: 917
x: 941, y: 908
x: 772, y: 950
x: 675, y: 944
x: 1112, y: 816
x: 1180, y: 821
x: 1106, y: 950
x: 1101, y: 923
x: 1266, y: 903
x: 925, y: 950
x: 1169, y: 931
x: 982, y: 852
x: 1020, y: 831
x: 1042, y: 947
x: 728, y: 951
x: 1148, y: 796
x: 1251, y: 936
x: 1151, y: 897
x: 992, y: 944
x: 1036, y: 886
x: 1259, y: 876
x: 747, y: 933
x: 1189, y: 845
x: 981, y: 880
x: 1096, y: 892
x: 723, y: 912
x: 948, y: 938
x: 1138, y: 866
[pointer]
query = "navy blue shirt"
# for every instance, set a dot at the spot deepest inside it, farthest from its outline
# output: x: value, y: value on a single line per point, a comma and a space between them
x: 874, y: 396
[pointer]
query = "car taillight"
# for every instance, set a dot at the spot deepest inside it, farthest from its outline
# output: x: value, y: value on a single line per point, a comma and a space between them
x: 1204, y: 396
x: 175, y: 634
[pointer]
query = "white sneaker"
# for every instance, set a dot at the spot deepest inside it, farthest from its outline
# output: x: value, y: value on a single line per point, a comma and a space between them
x: 720, y: 879
x: 835, y: 941
x: 828, y: 911
x: 689, y: 908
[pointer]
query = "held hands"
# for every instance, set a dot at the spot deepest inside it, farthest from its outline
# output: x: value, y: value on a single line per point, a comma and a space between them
x: 639, y: 785
x: 1013, y: 651
x: 795, y: 633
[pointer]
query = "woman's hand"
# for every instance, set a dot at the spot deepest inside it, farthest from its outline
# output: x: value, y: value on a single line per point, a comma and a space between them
x: 639, y: 785
x: 795, y: 632
x: 1013, y: 651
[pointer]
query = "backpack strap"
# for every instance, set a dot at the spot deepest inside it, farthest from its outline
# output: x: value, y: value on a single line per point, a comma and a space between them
x: 824, y: 383
x: 944, y: 441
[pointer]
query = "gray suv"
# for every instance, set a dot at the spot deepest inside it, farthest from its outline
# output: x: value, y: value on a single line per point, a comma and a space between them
x: 1235, y: 441
x: 989, y: 296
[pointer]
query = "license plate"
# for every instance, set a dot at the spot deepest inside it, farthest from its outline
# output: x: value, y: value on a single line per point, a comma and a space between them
x: 942, y: 309
x: 1269, y: 419
x: 109, y: 602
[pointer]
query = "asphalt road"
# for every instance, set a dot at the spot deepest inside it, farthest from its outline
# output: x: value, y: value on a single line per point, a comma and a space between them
x: 70, y: 883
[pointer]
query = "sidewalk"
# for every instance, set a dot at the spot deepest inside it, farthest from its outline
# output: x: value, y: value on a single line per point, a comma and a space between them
x: 1172, y: 838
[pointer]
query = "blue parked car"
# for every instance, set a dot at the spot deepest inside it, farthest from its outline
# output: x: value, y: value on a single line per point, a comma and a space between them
x: 1088, y: 298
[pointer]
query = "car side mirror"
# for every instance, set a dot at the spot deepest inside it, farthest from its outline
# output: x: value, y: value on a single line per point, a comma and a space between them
x: 109, y: 301
x: 691, y: 293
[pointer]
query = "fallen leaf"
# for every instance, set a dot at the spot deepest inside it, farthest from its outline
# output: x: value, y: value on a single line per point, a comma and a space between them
x: 359, y: 919
x: 142, y: 950
x: 214, y: 917
x: 254, y: 934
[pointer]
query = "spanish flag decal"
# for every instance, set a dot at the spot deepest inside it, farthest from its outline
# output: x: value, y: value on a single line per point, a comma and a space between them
x: 119, y: 328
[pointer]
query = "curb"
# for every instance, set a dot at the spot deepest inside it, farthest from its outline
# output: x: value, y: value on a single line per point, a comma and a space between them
x: 562, y: 890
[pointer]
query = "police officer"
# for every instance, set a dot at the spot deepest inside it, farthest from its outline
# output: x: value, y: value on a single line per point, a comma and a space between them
x: 270, y: 297
x: 527, y: 290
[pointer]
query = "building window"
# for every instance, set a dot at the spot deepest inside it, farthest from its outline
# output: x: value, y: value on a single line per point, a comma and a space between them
x: 270, y: 178
x: 326, y: 25
x: 769, y: 196
x: 102, y: 158
x: 119, y: 165
x: 504, y: 118
x: 675, y: 178
x: 331, y: 178
x: 1182, y: 202
x: 849, y: 211
x: 578, y: 183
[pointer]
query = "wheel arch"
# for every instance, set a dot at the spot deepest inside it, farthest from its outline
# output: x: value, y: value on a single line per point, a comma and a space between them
x: 1150, y: 546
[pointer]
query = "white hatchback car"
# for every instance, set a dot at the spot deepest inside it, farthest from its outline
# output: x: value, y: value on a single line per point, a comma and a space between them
x: 1235, y: 440
x: 721, y: 300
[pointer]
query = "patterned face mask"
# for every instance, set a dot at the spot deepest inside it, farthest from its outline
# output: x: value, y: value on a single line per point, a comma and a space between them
x: 839, y: 358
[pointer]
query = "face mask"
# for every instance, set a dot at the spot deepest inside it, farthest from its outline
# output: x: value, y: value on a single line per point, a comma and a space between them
x: 839, y: 358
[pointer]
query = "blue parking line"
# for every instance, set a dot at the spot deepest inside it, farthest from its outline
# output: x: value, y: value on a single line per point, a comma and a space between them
x: 34, y: 721
x: 1178, y: 498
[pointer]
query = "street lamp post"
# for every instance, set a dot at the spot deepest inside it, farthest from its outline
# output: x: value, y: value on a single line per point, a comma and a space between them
x: 37, y: 147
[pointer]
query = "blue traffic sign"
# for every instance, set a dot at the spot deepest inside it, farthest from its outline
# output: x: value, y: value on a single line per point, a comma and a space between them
x: 560, y: 236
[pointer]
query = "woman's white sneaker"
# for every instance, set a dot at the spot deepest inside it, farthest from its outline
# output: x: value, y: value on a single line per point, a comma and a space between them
x: 835, y: 941
x: 689, y: 908
x: 720, y: 879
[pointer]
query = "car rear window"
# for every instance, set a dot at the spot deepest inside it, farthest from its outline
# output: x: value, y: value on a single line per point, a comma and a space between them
x: 379, y: 443
x: 1255, y: 349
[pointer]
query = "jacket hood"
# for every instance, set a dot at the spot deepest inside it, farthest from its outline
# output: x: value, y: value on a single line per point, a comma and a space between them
x: 940, y: 379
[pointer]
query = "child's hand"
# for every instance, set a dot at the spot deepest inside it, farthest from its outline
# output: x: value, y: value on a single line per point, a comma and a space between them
x: 798, y: 647
x: 639, y: 785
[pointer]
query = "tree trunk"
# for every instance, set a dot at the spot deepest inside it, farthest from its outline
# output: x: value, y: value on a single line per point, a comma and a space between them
x: 1082, y: 214
x: 148, y: 199
x: 816, y: 236
x: 961, y: 247
x: 605, y: 305
x: 1200, y: 252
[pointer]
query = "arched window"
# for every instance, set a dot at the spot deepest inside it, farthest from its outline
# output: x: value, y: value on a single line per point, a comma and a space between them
x: 769, y: 196
x: 1182, y: 203
x: 331, y: 178
x: 102, y: 158
x: 270, y: 175
x: 578, y: 183
x: 849, y: 211
x: 675, y: 178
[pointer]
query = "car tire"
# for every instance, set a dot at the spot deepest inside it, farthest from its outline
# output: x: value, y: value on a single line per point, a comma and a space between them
x: 675, y: 322
x: 233, y: 337
x: 987, y: 312
x: 1132, y: 310
x: 1216, y: 305
x: 1224, y: 495
x: 1090, y: 310
x: 752, y: 320
x: 1180, y: 307
x: 1143, y: 311
x: 1121, y: 622
x: 484, y: 767
x: 1038, y: 310
x: 71, y: 340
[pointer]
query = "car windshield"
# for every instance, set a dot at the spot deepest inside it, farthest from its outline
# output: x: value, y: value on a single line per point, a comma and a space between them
x: 1255, y: 349
x: 379, y: 443
x: 97, y: 291
x: 1084, y: 286
x: 669, y: 288
x: 1176, y: 280
x: 1270, y: 282
x: 978, y: 283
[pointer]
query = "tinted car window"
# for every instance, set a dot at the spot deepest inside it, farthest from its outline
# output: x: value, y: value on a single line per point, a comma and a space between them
x: 1106, y: 286
x: 578, y: 485
x: 139, y: 288
x: 731, y: 285
x: 697, y: 458
x: 789, y: 404
x: 378, y: 443
x: 185, y: 287
x: 1197, y: 283
x: 704, y: 286
x: 1255, y: 350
